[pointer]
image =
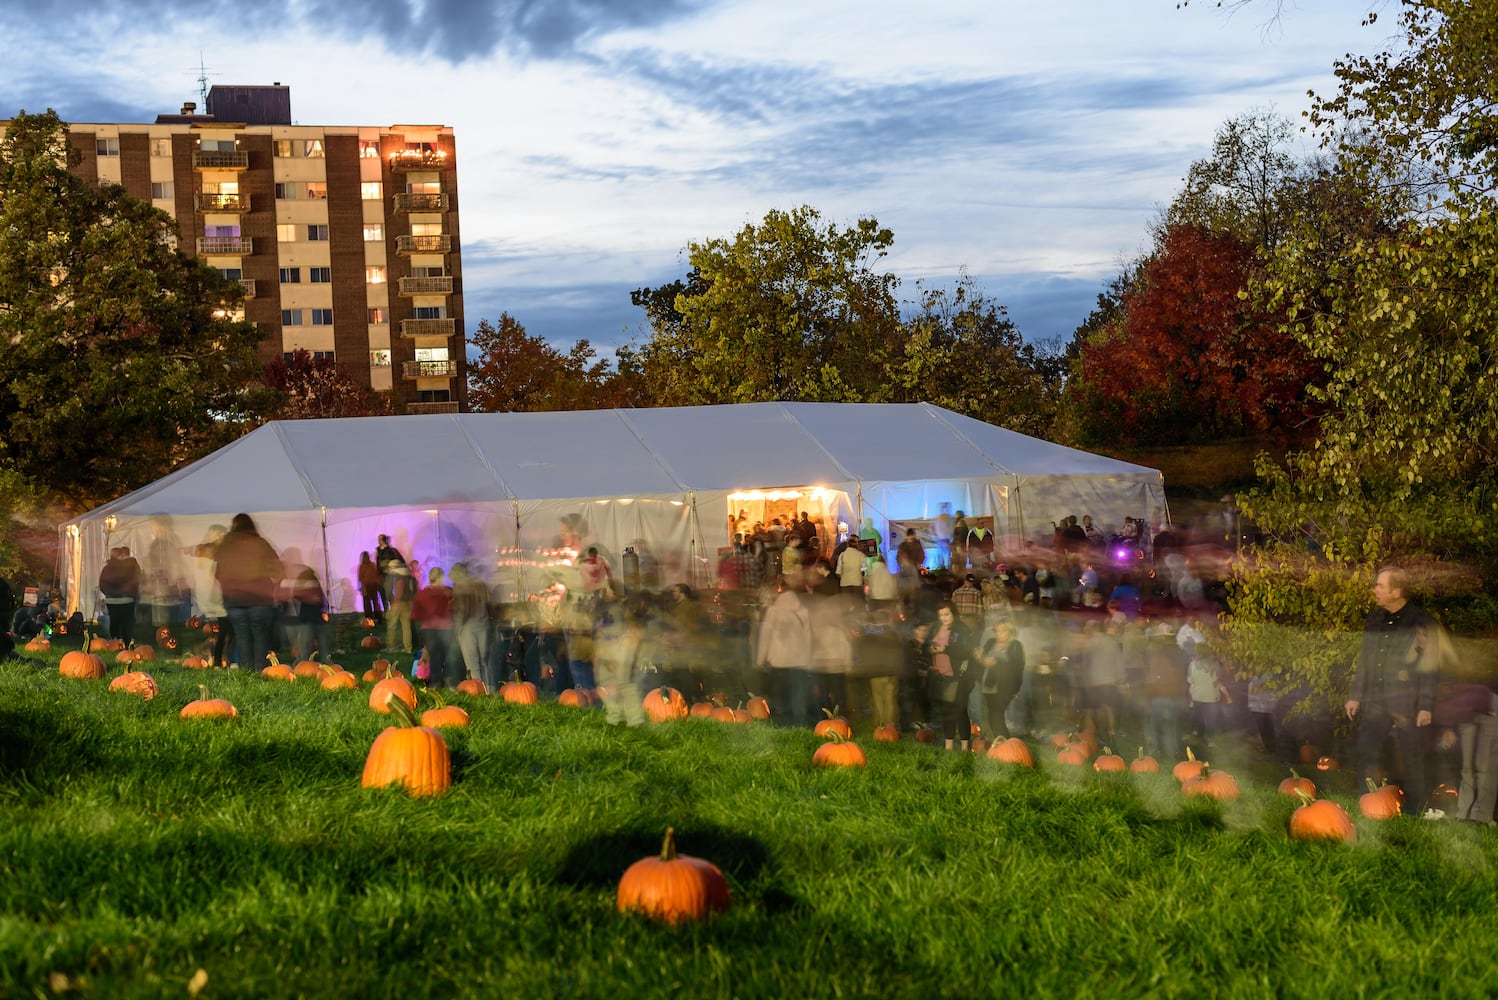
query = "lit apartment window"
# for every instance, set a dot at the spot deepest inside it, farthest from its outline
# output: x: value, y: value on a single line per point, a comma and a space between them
x: 424, y: 187
x: 221, y: 232
x: 377, y: 317
x: 286, y: 232
x: 317, y: 233
x: 320, y: 275
x: 291, y: 275
x: 317, y: 190
x: 161, y: 189
x: 426, y: 229
x: 322, y: 317
x: 291, y: 317
x: 370, y: 191
x: 369, y: 149
x: 283, y: 147
x: 421, y: 147
x: 286, y: 191
x: 431, y: 354
x: 373, y: 232
x: 312, y: 147
x: 161, y: 147
x: 431, y: 312
x: 107, y: 147
x: 379, y: 359
x: 374, y: 275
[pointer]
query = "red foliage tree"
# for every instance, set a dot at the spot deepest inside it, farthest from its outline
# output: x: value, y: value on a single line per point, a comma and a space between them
x: 309, y: 388
x: 1186, y: 358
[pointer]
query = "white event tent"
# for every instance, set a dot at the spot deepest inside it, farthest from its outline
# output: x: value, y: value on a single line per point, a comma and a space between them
x: 517, y: 495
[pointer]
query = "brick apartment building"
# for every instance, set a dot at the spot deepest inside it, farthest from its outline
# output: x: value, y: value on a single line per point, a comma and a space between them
x: 345, y: 238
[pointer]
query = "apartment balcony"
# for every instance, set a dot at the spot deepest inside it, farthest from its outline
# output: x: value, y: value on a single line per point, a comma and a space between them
x: 421, y: 202
x: 220, y: 159
x: 448, y: 407
x: 425, y: 286
x: 428, y: 327
x: 222, y: 202
x: 248, y: 284
x: 238, y: 246
x: 417, y: 159
x: 429, y: 369
x: 407, y: 245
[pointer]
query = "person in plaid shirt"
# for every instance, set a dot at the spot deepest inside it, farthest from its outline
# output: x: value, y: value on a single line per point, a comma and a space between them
x: 967, y: 601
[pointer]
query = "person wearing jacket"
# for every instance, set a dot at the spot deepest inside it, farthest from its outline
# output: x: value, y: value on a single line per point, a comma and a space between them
x: 950, y: 682
x: 248, y: 571
x: 119, y: 582
x: 785, y: 647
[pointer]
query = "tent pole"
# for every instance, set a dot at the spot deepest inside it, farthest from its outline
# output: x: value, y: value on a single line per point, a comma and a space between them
x: 692, y: 531
x: 327, y: 564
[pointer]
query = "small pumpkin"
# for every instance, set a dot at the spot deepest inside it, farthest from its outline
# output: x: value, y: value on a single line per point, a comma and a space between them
x: 472, y: 686
x: 758, y: 708
x: 194, y: 622
x: 445, y: 717
x: 411, y: 756
x: 135, y: 683
x: 575, y: 698
x: 833, y: 726
x: 144, y: 654
x: 886, y: 733
x: 379, y: 670
x: 839, y: 752
x: 1381, y: 801
x: 392, y: 687
x: 1109, y: 762
x: 1188, y: 768
x: 664, y: 704
x: 1327, y: 763
x: 163, y: 633
x: 39, y: 644
x: 125, y: 657
x: 1321, y: 819
x: 1012, y: 751
x: 700, y: 710
x: 1072, y: 756
x: 1144, y: 764
x: 308, y: 667
x: 925, y: 734
x: 672, y: 888
x: 194, y: 662
x: 519, y: 692
x: 724, y: 713
x: 1295, y: 785
x: 369, y: 642
x: 366, y: 622
x: 338, y: 680
x: 208, y: 708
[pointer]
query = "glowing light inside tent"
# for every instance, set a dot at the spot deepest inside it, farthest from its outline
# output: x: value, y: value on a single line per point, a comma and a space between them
x: 814, y: 493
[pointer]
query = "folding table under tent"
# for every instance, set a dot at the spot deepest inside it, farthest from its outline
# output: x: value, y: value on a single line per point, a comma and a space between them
x: 518, y: 496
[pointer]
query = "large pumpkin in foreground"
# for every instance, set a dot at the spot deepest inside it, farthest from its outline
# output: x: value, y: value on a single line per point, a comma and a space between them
x: 673, y: 888
x: 411, y: 756
x: 664, y: 704
x: 85, y: 666
x: 1321, y: 819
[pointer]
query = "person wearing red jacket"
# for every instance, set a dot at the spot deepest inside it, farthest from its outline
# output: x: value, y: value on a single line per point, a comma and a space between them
x: 432, y: 609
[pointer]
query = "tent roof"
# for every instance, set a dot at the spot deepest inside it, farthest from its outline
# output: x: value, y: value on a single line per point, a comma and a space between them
x: 442, y: 460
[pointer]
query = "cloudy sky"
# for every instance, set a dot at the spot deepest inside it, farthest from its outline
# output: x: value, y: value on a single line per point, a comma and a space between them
x: 1029, y: 143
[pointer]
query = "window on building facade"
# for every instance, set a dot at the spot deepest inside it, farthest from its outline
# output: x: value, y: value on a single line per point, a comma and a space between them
x: 373, y: 232
x: 431, y: 312
x: 378, y: 317
x: 312, y: 147
x: 284, y: 147
x: 424, y: 187
x: 107, y: 147
x: 369, y: 149
x: 286, y: 232
x: 285, y: 191
x: 426, y: 229
x: 370, y: 191
x: 320, y: 275
x: 317, y: 233
x: 287, y: 356
x: 291, y: 317
x: 231, y: 273
x: 379, y: 359
x: 322, y: 317
x: 434, y: 395
x: 222, y: 232
x: 374, y: 275
x: 431, y: 354
x: 317, y: 190
x: 291, y: 275
x: 161, y: 189
x: 429, y: 271
x: 161, y: 147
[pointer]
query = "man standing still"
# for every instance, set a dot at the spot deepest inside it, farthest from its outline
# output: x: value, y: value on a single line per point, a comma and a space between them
x: 119, y: 582
x: 1394, y: 688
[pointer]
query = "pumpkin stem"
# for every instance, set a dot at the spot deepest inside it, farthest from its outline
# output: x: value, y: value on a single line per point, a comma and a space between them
x: 203, y: 691
x: 400, y: 710
x: 1107, y: 751
x: 668, y: 845
x: 1305, y: 798
x: 1294, y: 774
x: 1371, y: 786
x: 1189, y: 754
x: 271, y: 656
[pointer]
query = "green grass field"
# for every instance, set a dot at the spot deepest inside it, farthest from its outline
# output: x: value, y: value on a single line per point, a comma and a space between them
x: 137, y: 848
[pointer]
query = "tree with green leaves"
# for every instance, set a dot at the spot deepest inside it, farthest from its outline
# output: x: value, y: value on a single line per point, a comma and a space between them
x: 122, y: 358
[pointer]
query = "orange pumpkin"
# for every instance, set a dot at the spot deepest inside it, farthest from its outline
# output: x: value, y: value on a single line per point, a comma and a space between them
x: 125, y: 656
x: 925, y: 734
x: 135, y: 683
x: 308, y: 668
x: 379, y: 670
x: 337, y: 680
x: 369, y: 642
x: 1322, y: 819
x: 208, y: 708
x: 575, y: 698
x: 194, y: 663
x: 392, y: 687
x: 1144, y: 764
x: 887, y: 733
x: 1188, y: 768
x: 144, y: 654
x: 839, y: 752
x: 1072, y: 756
x: 1328, y: 764
x: 1381, y: 801
x: 725, y: 714
x: 1012, y: 751
x: 84, y: 666
x: 833, y: 726
x: 1109, y: 762
x: 39, y: 644
x: 1211, y: 784
x: 473, y: 686
x: 1295, y: 785
x: 445, y: 717
x: 194, y: 622
x: 414, y: 757
x: 277, y: 671
x: 701, y: 710
x: 519, y: 692
x: 758, y: 708
x: 664, y: 704
x: 672, y: 887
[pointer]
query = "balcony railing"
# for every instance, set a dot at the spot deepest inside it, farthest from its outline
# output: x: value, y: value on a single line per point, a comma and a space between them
x: 428, y: 327
x: 407, y: 245
x: 222, y: 202
x: 406, y: 202
x: 429, y: 369
x: 418, y: 159
x: 425, y: 286
x: 220, y: 159
x: 449, y: 407
x: 248, y: 284
x: 239, y: 246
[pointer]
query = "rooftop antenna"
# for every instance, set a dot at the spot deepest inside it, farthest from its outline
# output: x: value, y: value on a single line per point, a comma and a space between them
x: 203, y: 75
